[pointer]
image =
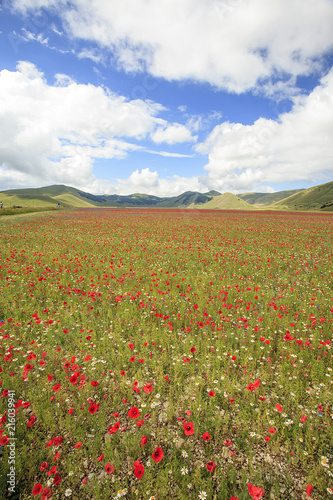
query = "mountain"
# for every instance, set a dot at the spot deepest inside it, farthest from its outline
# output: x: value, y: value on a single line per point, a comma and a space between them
x: 226, y: 201
x: 266, y: 199
x: 315, y: 198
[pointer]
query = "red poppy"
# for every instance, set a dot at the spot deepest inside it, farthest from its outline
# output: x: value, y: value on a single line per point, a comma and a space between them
x: 139, y: 423
x: 56, y: 387
x: 139, y: 471
x: 267, y: 438
x: 113, y: 428
x: 37, y: 489
x: 304, y: 418
x: 206, y: 436
x: 309, y: 489
x: 158, y: 454
x: 188, y: 428
x: 56, y: 479
x: 4, y: 440
x: 255, y: 492
x: 93, y: 408
x: 144, y: 440
x: 272, y: 430
x: 131, y: 346
x: 192, y: 350
x: 132, y: 359
x: 211, y: 394
x: 78, y: 445
x: 94, y: 383
x: 211, y: 466
x: 46, y: 494
x: 109, y: 468
x: 44, y: 466
x: 227, y: 442
x: 234, y: 498
x: 100, y: 458
x: 279, y: 407
x: 134, y: 413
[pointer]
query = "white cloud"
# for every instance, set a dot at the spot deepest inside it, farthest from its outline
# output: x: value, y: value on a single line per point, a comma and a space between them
x: 297, y: 147
x: 172, y: 134
x: 232, y: 44
x: 52, y: 134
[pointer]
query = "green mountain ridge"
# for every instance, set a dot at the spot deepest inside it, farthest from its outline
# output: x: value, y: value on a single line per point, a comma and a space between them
x: 315, y: 198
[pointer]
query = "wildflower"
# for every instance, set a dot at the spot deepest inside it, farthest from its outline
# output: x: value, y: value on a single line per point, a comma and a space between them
x: 184, y: 453
x: 211, y: 466
x: 139, y: 471
x: 37, y: 489
x: 309, y: 489
x: 134, y: 413
x: 157, y: 455
x: 255, y: 492
x: 206, y: 436
x: 184, y: 471
x: 188, y: 428
x: 324, y: 461
x: 68, y: 492
x: 43, y: 466
x: 109, y: 468
x: 202, y: 495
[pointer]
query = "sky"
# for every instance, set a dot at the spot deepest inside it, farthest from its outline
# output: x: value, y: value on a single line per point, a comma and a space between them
x: 166, y: 96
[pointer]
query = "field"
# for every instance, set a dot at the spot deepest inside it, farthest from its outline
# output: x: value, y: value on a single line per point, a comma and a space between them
x: 159, y: 354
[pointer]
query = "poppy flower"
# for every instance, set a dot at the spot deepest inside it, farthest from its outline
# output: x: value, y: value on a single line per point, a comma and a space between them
x: 272, y: 430
x: 134, y: 413
x: 309, y: 489
x: 44, y: 466
x: 139, y: 423
x: 188, y: 428
x: 144, y: 440
x: 4, y: 440
x: 46, y: 494
x: 37, y: 489
x: 78, y: 445
x: 56, y: 479
x: 211, y: 466
x: 139, y: 471
x: 211, y: 394
x: 192, y: 350
x: 234, y: 498
x: 304, y: 418
x: 109, y: 468
x: 158, y: 454
x: 255, y: 492
x: 56, y: 387
x: 267, y: 438
x: 100, y: 458
x: 278, y: 407
x: 206, y: 436
x: 94, y: 383
x: 227, y: 442
x: 93, y: 408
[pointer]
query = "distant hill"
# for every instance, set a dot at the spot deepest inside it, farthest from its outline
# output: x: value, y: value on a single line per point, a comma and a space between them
x: 315, y: 198
x: 266, y: 199
x: 226, y: 201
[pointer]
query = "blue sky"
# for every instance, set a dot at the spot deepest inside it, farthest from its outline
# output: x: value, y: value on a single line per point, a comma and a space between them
x: 164, y: 97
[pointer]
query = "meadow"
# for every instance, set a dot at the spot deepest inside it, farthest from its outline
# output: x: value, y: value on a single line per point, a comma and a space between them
x: 159, y: 354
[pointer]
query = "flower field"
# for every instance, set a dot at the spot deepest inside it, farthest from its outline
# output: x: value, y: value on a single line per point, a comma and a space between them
x: 159, y: 354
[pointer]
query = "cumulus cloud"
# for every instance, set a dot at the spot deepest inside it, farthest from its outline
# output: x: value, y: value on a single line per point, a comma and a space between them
x: 232, y: 44
x: 54, y: 133
x: 296, y: 147
x: 172, y: 134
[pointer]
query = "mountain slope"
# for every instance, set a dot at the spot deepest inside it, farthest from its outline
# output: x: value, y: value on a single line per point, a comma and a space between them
x: 266, y: 199
x: 225, y: 201
x: 315, y: 198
